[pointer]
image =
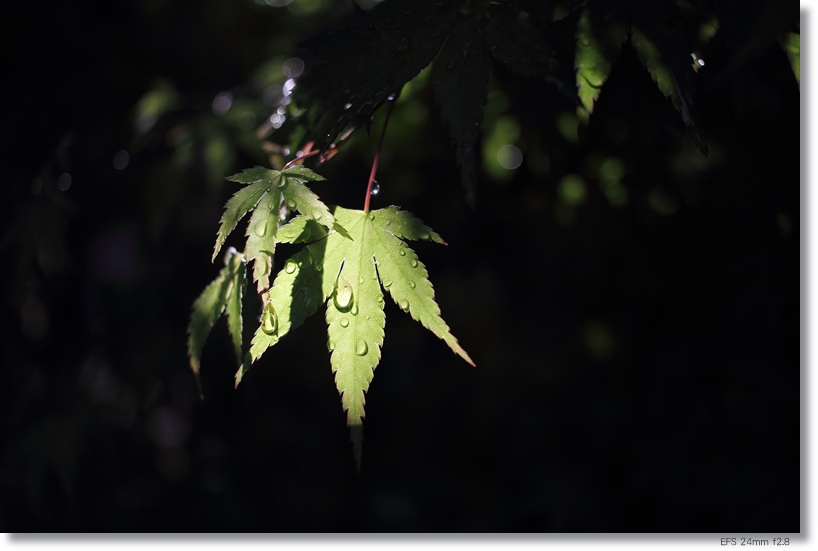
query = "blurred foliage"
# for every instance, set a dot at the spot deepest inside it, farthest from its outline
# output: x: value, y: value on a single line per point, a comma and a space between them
x: 632, y: 304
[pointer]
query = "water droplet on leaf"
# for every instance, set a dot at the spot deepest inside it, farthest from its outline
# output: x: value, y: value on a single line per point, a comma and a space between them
x: 343, y: 294
x: 289, y: 266
x: 269, y: 320
x: 361, y: 347
x: 316, y: 214
x: 344, y: 322
x: 411, y: 284
x: 402, y: 252
x: 413, y: 263
x: 291, y: 204
x: 403, y: 46
x: 404, y: 305
x: 260, y: 228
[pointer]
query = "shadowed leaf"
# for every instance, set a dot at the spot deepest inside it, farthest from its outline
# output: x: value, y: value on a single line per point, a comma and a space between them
x: 460, y: 81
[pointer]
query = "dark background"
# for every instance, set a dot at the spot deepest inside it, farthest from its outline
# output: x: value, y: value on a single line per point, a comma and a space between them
x: 637, y: 366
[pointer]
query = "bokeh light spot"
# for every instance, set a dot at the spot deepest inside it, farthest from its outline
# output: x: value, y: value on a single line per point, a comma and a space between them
x: 611, y: 171
x: 247, y: 120
x: 222, y: 103
x: 568, y: 125
x: 599, y: 340
x: 293, y: 67
x: 121, y: 159
x: 662, y: 201
x: 510, y: 157
x: 64, y: 181
x: 572, y: 190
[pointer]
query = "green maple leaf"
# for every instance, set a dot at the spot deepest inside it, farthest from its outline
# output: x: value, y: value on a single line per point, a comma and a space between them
x: 595, y: 54
x: 223, y: 293
x: 349, y: 273
x: 671, y: 71
x: 264, y: 192
x: 791, y: 42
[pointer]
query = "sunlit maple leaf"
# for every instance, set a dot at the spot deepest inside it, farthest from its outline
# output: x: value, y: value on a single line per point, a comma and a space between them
x: 349, y: 273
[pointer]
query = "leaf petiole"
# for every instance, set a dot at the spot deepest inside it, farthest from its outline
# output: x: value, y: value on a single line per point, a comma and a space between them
x: 378, y: 153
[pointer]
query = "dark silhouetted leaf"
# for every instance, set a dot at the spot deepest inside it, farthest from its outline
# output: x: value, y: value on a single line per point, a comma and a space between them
x: 515, y: 41
x: 367, y: 60
x: 460, y: 80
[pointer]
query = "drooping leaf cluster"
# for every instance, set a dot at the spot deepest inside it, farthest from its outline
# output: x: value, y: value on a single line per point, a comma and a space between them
x: 350, y: 258
x: 366, y: 60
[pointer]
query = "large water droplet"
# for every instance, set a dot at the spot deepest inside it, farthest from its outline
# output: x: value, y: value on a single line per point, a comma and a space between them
x: 413, y: 263
x: 269, y: 319
x: 403, y: 46
x: 376, y: 188
x: 361, y: 347
x: 402, y: 252
x: 411, y: 284
x: 289, y: 266
x: 343, y: 294
x: 260, y: 228
x: 404, y: 305
x: 344, y: 322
